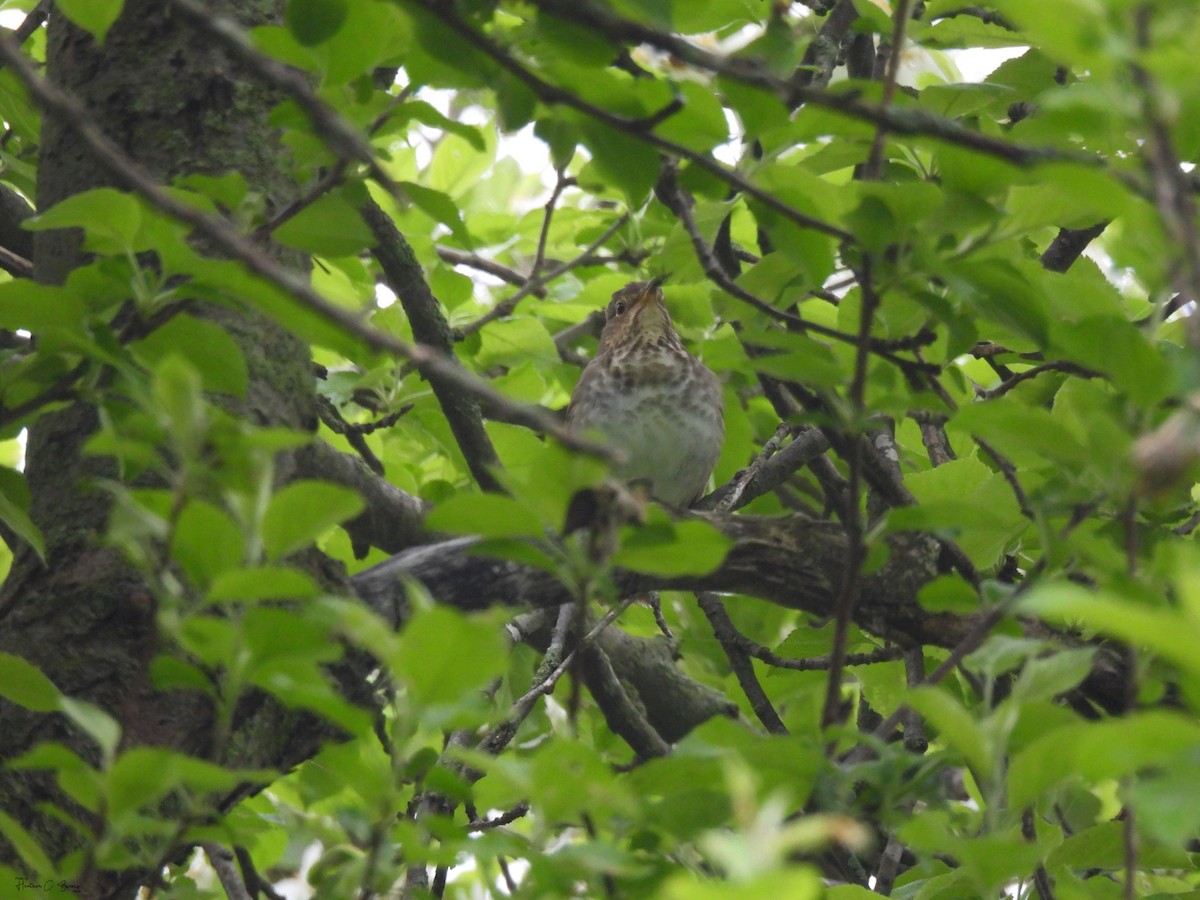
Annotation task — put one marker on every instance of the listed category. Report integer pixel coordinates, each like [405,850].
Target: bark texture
[177,105]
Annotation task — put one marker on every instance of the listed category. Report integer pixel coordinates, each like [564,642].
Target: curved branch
[794,562]
[429,327]
[392,520]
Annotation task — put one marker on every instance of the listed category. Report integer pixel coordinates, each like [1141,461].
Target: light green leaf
[331,226]
[26,845]
[207,542]
[663,547]
[1095,751]
[957,728]
[516,340]
[14,510]
[440,207]
[949,594]
[39,308]
[261,583]
[445,657]
[429,115]
[1166,632]
[100,726]
[965,499]
[109,218]
[206,345]
[302,512]
[24,683]
[489,515]
[1049,676]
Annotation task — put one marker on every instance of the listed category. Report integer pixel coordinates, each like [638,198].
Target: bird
[651,399]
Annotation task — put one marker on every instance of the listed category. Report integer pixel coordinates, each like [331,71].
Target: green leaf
[663,547]
[512,341]
[206,345]
[14,510]
[488,515]
[27,847]
[179,402]
[957,728]
[964,499]
[948,594]
[313,21]
[805,361]
[109,218]
[303,511]
[446,657]
[143,775]
[1166,632]
[1026,435]
[700,124]
[429,115]
[1118,348]
[75,775]
[440,207]
[1057,673]
[1104,846]
[1095,751]
[40,308]
[169,673]
[207,542]
[618,160]
[261,583]
[24,683]
[96,16]
[331,226]
[100,726]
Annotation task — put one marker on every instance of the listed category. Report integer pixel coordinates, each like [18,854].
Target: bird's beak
[652,290]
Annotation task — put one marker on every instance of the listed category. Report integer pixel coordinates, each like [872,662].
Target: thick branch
[392,519]
[429,326]
[794,562]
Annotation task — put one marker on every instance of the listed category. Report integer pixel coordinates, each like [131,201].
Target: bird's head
[637,315]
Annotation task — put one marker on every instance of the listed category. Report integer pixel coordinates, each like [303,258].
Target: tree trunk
[178,105]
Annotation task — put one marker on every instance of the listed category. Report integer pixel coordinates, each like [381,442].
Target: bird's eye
[619,308]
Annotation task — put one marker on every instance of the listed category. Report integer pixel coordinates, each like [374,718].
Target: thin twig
[769,470]
[457,257]
[506,306]
[499,736]
[506,818]
[561,182]
[682,206]
[222,861]
[430,328]
[899,27]
[856,550]
[1017,378]
[739,661]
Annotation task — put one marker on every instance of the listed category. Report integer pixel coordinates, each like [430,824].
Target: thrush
[651,398]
